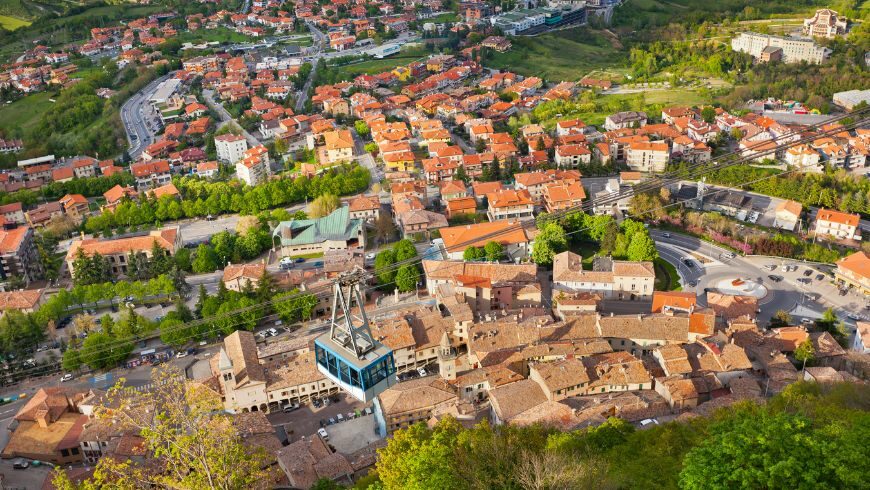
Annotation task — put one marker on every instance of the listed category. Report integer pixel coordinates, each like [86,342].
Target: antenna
[351,332]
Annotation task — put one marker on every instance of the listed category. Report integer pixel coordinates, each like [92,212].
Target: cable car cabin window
[344,375]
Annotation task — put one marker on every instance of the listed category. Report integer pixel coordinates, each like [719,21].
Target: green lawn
[315,255]
[587,250]
[221,34]
[667,278]
[373,67]
[675,96]
[20,116]
[564,55]
[12,23]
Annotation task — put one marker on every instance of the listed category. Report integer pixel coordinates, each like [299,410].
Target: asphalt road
[225,116]
[711,267]
[135,113]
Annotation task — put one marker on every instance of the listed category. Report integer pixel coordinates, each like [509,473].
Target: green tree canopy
[549,242]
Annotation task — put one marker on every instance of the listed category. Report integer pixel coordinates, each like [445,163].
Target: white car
[322,433]
[66,377]
[370,256]
[422,372]
[180,354]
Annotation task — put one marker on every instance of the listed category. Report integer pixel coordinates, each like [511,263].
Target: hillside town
[332,255]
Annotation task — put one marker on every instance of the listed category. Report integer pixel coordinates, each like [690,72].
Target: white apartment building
[230,147]
[794,50]
[837,224]
[647,156]
[254,168]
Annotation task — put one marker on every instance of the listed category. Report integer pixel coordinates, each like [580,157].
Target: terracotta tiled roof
[244,271]
[26,299]
[512,399]
[415,395]
[858,263]
[164,238]
[673,299]
[11,240]
[458,238]
[838,217]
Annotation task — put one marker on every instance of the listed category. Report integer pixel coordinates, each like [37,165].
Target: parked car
[666,235]
[180,354]
[370,256]
[806,321]
[808,272]
[852,316]
[322,433]
[66,377]
[774,278]
[339,418]
[316,402]
[20,463]
[290,407]
[422,372]
[770,267]
[820,277]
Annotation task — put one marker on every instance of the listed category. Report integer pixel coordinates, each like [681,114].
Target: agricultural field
[12,23]
[19,117]
[563,55]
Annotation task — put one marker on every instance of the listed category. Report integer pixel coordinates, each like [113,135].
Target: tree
[419,458]
[553,470]
[205,260]
[494,251]
[805,352]
[708,114]
[71,360]
[361,128]
[323,205]
[404,250]
[385,229]
[407,277]
[384,269]
[194,443]
[780,319]
[472,254]
[752,448]
[461,175]
[642,248]
[548,243]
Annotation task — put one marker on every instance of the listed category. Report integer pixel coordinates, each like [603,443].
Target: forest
[809,436]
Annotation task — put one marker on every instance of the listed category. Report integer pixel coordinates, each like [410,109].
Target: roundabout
[739,286]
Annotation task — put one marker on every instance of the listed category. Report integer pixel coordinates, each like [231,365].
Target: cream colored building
[409,402]
[337,147]
[794,50]
[646,156]
[246,384]
[510,204]
[854,271]
[622,280]
[117,251]
[837,224]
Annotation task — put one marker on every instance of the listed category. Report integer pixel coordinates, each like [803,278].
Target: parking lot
[31,478]
[307,419]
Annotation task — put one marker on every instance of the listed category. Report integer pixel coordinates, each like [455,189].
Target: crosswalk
[148,387]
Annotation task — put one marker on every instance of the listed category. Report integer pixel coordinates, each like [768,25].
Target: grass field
[20,116]
[667,278]
[221,34]
[373,67]
[12,23]
[564,55]
[672,97]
